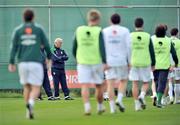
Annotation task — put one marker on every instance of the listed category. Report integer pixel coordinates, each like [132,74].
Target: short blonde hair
[93,15]
[58,40]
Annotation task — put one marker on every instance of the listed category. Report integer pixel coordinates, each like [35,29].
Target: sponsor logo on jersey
[28,30]
[28,42]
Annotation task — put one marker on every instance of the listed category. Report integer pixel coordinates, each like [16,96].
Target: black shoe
[100,112]
[29,112]
[40,98]
[143,105]
[106,99]
[121,107]
[154,101]
[68,98]
[51,98]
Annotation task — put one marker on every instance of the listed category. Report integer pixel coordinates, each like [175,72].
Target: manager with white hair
[59,56]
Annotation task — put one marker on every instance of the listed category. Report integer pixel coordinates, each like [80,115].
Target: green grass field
[12,112]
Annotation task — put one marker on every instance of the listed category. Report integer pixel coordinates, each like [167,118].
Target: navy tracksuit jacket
[58,71]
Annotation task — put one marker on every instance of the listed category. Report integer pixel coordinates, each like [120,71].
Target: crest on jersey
[160,43]
[28,30]
[114,32]
[88,33]
[139,38]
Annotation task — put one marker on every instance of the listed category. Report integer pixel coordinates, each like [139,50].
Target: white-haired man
[59,56]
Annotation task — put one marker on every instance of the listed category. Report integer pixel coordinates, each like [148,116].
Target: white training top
[118,45]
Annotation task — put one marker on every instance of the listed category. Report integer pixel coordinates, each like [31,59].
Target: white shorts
[171,74]
[90,74]
[31,73]
[140,74]
[117,73]
[177,73]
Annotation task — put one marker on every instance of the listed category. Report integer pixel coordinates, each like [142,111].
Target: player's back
[116,39]
[29,37]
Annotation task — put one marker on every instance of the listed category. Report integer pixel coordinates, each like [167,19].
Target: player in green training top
[27,40]
[176,43]
[89,51]
[163,49]
[142,49]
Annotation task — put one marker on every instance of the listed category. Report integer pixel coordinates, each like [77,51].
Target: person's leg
[141,97]
[156,77]
[85,98]
[177,86]
[170,92]
[110,89]
[153,88]
[35,90]
[99,98]
[121,91]
[163,74]
[26,92]
[33,94]
[144,89]
[105,91]
[165,95]
[40,96]
[46,85]
[56,80]
[177,92]
[64,85]
[135,92]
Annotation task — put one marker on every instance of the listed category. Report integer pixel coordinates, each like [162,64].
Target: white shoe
[171,100]
[164,101]
[87,112]
[105,96]
[102,110]
[138,106]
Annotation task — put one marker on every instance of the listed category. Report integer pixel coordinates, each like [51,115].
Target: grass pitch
[12,112]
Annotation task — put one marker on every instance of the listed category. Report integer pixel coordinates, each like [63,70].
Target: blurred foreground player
[27,40]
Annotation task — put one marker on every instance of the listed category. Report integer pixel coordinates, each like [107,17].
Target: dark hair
[28,15]
[174,32]
[160,31]
[166,27]
[138,22]
[115,18]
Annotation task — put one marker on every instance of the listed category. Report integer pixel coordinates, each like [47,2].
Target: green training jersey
[176,44]
[162,47]
[88,45]
[27,40]
[140,49]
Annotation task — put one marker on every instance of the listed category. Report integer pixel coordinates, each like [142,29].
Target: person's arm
[55,58]
[102,48]
[14,47]
[128,45]
[174,55]
[152,54]
[74,48]
[65,56]
[45,43]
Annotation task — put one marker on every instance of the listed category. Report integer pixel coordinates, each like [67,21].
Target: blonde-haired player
[89,51]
